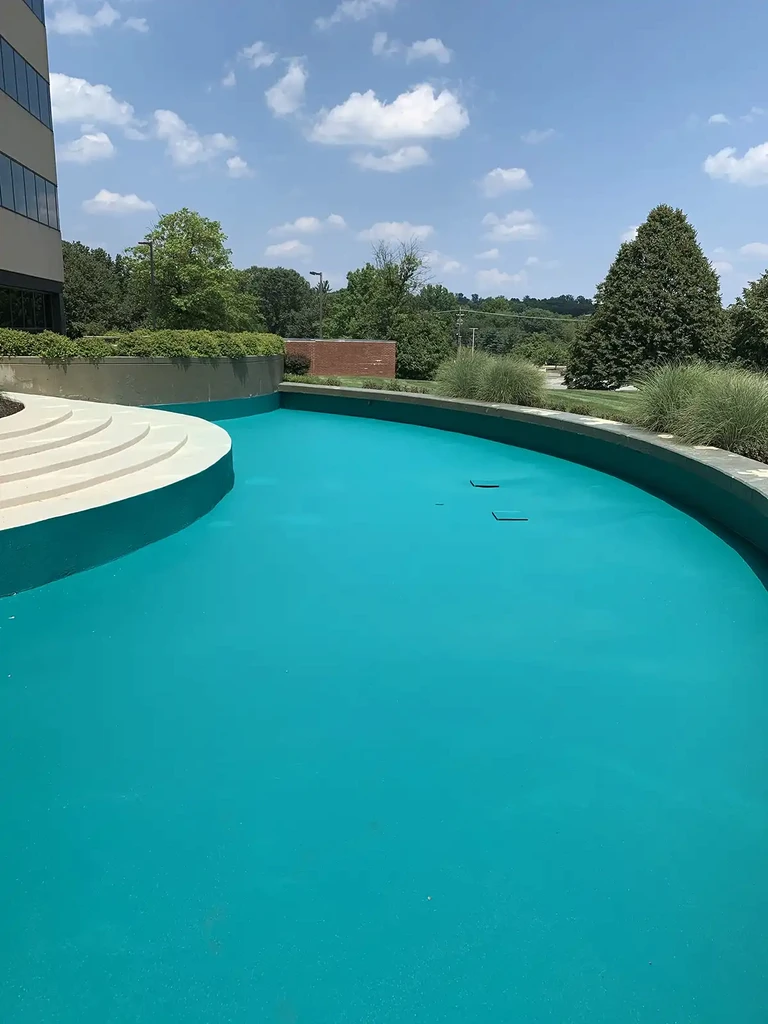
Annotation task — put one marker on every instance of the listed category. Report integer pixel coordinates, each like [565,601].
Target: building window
[37,8]
[25,192]
[25,310]
[22,83]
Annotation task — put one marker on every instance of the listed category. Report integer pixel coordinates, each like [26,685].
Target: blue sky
[520,139]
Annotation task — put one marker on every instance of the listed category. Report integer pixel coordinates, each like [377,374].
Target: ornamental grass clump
[512,381]
[728,409]
[461,376]
[665,392]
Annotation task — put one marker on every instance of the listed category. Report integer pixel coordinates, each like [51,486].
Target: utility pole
[318,273]
[151,246]
[459,325]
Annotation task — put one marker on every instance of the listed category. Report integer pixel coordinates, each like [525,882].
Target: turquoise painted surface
[349,751]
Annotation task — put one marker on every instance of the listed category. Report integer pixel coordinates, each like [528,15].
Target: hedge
[160,344]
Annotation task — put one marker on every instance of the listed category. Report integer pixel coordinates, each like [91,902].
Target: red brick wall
[347,358]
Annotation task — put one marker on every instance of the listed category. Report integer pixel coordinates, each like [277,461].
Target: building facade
[31,267]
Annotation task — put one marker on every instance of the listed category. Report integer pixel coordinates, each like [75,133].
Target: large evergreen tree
[748,321]
[659,303]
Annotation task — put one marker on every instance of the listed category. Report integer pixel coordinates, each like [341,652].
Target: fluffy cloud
[115,204]
[722,266]
[498,279]
[238,168]
[434,49]
[383,46]
[363,119]
[70,22]
[309,225]
[396,231]
[442,264]
[536,135]
[354,10]
[517,226]
[87,149]
[501,180]
[258,55]
[286,96]
[184,145]
[74,99]
[136,24]
[229,80]
[293,247]
[392,163]
[750,169]
[719,119]
[630,234]
[754,250]
[489,254]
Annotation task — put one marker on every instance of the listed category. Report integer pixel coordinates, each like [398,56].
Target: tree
[288,304]
[748,322]
[659,303]
[423,342]
[96,292]
[196,287]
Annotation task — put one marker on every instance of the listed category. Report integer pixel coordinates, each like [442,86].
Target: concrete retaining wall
[345,358]
[725,490]
[128,380]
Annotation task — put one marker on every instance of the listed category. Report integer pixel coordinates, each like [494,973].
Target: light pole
[151,246]
[318,273]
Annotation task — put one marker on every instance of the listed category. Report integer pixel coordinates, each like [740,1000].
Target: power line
[462,311]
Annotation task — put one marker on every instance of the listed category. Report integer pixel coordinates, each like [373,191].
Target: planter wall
[122,380]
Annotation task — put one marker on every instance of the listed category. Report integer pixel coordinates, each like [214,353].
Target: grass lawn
[608,404]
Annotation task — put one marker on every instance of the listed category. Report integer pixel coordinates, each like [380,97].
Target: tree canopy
[748,323]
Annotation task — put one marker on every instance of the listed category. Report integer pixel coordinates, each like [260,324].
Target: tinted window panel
[29,184]
[34,101]
[45,101]
[37,301]
[20,202]
[5,307]
[37,7]
[48,307]
[6,183]
[21,81]
[28,306]
[53,210]
[42,199]
[9,70]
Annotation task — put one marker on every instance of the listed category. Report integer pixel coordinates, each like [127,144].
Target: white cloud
[238,168]
[114,203]
[753,113]
[184,145]
[229,80]
[383,46]
[293,247]
[392,163]
[719,119]
[286,96]
[70,22]
[489,254]
[354,10]
[630,234]
[417,114]
[258,55]
[754,250]
[536,135]
[442,264]
[74,99]
[396,231]
[501,180]
[517,226]
[722,266]
[87,149]
[750,169]
[137,24]
[309,225]
[534,261]
[499,279]
[429,49]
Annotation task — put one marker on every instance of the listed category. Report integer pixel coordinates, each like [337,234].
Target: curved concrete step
[31,420]
[121,434]
[77,427]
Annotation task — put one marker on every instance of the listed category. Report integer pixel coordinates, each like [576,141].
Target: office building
[31,268]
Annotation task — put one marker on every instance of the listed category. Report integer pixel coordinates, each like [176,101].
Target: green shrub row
[159,344]
[722,406]
[507,380]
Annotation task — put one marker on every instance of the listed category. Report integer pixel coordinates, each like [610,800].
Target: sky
[519,140]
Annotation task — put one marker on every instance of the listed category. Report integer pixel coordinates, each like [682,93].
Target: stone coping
[724,487]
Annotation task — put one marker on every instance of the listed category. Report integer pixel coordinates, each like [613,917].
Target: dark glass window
[29,185]
[28,306]
[28,310]
[21,80]
[20,202]
[6,182]
[17,309]
[34,99]
[9,70]
[39,310]
[48,307]
[45,101]
[5,307]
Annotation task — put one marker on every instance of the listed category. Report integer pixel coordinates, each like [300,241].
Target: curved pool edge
[726,489]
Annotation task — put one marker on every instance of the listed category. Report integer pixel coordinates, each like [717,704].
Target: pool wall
[724,488]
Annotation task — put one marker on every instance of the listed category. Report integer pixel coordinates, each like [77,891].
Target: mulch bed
[8,407]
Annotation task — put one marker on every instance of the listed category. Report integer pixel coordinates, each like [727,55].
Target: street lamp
[318,273]
[151,246]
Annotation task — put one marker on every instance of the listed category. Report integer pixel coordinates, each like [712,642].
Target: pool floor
[351,751]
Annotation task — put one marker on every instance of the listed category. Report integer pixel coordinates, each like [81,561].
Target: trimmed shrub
[512,381]
[297,363]
[728,409]
[392,385]
[332,382]
[300,378]
[373,384]
[665,392]
[460,377]
[159,344]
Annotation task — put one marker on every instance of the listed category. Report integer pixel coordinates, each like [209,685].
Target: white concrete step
[33,420]
[77,427]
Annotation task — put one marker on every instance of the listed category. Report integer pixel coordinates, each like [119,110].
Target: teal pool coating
[347,750]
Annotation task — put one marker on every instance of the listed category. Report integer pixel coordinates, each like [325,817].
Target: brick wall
[347,358]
